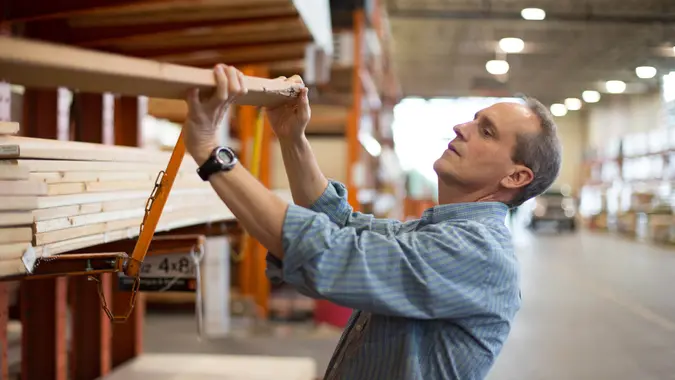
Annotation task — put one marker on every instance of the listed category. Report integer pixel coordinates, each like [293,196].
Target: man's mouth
[452,148]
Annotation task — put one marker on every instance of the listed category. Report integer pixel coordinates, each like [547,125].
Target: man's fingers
[193,99]
[304,95]
[233,82]
[296,79]
[222,84]
[242,83]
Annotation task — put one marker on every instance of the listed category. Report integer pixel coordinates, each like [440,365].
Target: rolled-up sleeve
[333,202]
[422,274]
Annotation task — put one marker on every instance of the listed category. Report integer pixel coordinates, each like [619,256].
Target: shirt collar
[466,211]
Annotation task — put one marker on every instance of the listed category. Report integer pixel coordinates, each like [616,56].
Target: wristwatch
[222,159]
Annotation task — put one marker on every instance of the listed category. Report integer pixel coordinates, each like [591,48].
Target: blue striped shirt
[433,298]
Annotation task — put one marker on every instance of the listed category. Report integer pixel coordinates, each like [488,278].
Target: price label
[171,266]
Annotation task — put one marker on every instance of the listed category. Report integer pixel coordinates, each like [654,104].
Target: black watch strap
[222,159]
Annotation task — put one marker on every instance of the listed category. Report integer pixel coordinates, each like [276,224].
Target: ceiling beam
[660,18]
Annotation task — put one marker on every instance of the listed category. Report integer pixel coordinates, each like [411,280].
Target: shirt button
[359,327]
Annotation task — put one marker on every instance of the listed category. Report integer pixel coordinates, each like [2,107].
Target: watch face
[224,156]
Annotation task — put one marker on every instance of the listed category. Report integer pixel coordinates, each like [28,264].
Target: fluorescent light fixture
[590,96]
[615,86]
[533,14]
[497,67]
[645,72]
[558,110]
[511,45]
[573,104]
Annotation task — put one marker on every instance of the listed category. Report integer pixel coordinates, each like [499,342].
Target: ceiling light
[615,86]
[497,67]
[558,110]
[645,72]
[590,96]
[533,14]
[573,104]
[511,45]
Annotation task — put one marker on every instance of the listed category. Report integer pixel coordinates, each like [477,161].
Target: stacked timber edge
[60,196]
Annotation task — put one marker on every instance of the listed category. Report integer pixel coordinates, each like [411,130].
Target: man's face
[479,158]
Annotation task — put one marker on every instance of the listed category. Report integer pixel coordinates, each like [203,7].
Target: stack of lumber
[59,196]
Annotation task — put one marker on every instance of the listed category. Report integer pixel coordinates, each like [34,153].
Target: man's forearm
[304,175]
[260,211]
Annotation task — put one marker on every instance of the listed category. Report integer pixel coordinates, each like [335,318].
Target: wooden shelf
[186,32]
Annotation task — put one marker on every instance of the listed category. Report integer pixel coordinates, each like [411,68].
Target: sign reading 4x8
[171,272]
[168,266]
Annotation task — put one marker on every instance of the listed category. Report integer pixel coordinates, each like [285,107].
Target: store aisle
[596,307]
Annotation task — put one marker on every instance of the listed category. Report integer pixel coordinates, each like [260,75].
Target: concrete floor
[596,307]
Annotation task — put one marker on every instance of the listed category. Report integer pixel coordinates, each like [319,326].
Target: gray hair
[541,152]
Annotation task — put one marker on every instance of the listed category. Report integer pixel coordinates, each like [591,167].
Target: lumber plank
[9,128]
[41,64]
[16,235]
[65,211]
[69,177]
[13,172]
[22,188]
[59,202]
[122,214]
[131,232]
[12,251]
[17,218]
[47,165]
[18,203]
[14,267]
[29,147]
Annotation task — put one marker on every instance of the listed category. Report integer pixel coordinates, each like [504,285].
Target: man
[434,297]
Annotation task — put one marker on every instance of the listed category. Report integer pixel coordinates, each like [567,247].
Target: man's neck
[455,194]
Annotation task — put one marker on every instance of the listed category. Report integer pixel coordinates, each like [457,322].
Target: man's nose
[460,131]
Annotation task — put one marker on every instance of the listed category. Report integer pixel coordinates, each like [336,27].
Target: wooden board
[23,188]
[10,251]
[47,165]
[13,172]
[39,64]
[9,128]
[28,147]
[208,367]
[15,235]
[18,218]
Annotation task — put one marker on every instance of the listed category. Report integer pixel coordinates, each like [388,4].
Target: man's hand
[290,119]
[205,115]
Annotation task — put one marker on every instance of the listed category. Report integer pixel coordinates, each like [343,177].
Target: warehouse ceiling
[441,46]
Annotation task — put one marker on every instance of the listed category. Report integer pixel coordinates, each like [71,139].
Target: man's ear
[520,177]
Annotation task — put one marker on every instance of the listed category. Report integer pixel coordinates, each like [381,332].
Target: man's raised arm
[302,169]
[289,122]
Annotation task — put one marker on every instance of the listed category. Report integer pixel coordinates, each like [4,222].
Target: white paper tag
[29,259]
[9,150]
